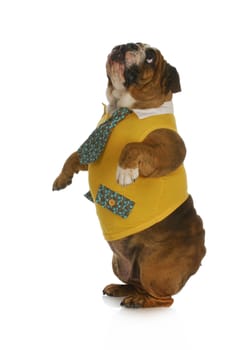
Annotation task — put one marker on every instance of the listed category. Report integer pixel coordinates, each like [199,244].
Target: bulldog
[138,182]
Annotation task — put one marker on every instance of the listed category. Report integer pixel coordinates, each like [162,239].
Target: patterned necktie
[92,148]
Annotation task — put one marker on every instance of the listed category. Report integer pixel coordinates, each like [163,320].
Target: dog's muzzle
[119,52]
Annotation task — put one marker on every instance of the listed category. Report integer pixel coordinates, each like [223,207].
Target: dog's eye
[150,56]
[149,60]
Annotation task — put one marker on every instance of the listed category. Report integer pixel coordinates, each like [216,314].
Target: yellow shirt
[126,210]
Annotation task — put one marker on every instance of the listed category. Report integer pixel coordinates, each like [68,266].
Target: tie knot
[119,114]
[121,111]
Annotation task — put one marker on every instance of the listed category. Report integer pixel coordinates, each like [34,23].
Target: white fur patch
[126,176]
[126,100]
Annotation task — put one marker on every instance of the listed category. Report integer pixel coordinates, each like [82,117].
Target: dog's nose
[118,52]
[131,47]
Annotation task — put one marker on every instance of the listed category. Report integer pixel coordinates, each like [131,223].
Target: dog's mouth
[123,64]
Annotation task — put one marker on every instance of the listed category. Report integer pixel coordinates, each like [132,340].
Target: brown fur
[161,152]
[156,263]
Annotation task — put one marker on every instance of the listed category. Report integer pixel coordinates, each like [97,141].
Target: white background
[54,261]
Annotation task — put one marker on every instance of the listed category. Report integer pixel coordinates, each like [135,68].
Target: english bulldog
[138,181]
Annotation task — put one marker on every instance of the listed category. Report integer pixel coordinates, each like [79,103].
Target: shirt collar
[165,108]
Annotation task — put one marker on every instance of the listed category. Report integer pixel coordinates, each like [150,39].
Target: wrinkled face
[139,77]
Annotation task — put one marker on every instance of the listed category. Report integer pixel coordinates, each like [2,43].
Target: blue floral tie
[92,148]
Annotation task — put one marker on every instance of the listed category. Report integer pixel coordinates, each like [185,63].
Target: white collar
[165,108]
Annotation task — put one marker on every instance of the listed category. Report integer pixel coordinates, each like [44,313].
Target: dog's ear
[171,79]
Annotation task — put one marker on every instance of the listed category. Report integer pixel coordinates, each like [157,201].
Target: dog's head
[139,77]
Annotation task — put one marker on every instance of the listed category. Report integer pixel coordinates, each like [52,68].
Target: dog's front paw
[61,182]
[126,176]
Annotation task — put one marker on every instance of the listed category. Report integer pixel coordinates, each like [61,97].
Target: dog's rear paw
[126,176]
[133,302]
[141,300]
[118,290]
